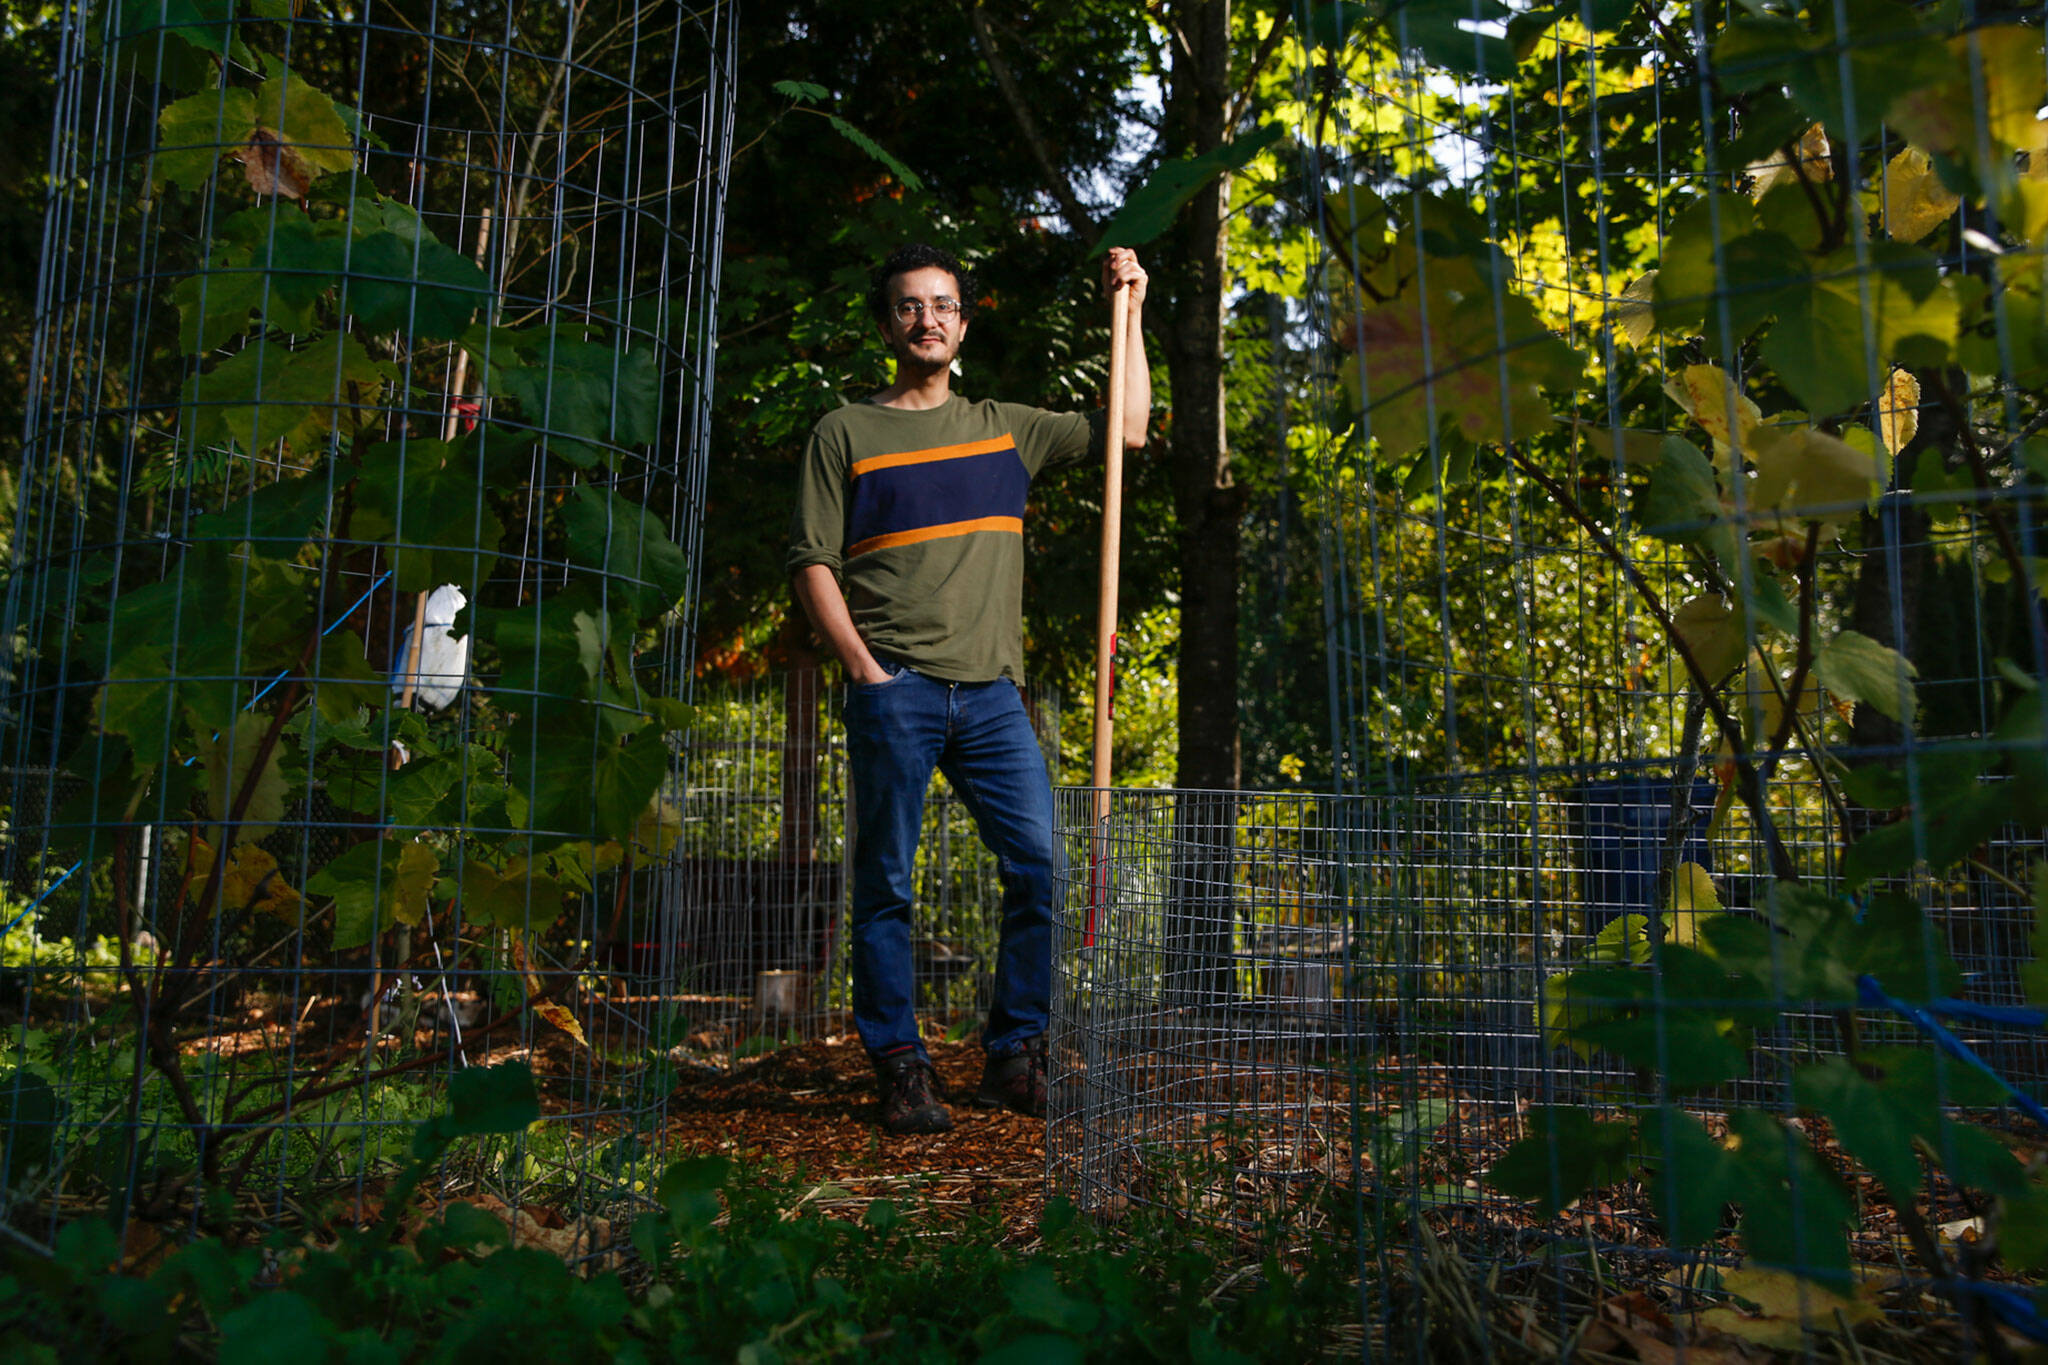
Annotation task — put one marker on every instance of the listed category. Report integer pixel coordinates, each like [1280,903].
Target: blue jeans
[978,735]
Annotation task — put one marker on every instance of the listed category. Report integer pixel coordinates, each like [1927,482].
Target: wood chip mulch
[812,1114]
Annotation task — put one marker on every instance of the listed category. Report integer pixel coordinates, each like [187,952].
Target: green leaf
[629,545]
[420,287]
[1150,209]
[874,149]
[1817,345]
[1875,787]
[297,112]
[206,25]
[514,897]
[481,1100]
[421,498]
[230,760]
[1565,1153]
[1432,27]
[803,92]
[1795,1215]
[1682,503]
[584,397]
[112,789]
[2023,1231]
[276,1325]
[1687,285]
[285,512]
[272,261]
[578,783]
[375,884]
[467,1228]
[30,1116]
[1458,358]
[426,791]
[1713,634]
[268,392]
[138,701]
[1857,668]
[1769,605]
[1037,1348]
[342,678]
[1886,48]
[1693,1177]
[1330,24]
[551,651]
[194,131]
[1975,1157]
[1034,1295]
[1897,946]
[1877,1127]
[1808,473]
[1624,939]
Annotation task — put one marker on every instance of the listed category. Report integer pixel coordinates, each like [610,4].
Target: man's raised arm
[1122,271]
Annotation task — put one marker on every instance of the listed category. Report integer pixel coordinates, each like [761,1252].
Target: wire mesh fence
[1327,1015]
[350,598]
[763,894]
[1674,414]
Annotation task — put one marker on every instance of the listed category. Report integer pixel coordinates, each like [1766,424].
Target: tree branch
[1241,100]
[1078,218]
[1748,785]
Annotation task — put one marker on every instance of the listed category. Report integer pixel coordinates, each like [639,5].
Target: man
[915,500]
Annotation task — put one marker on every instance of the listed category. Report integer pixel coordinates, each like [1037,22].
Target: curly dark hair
[916,256]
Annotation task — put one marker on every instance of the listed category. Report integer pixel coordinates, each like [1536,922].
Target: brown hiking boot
[1015,1081]
[909,1102]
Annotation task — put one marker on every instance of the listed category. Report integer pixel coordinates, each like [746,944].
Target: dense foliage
[724,1266]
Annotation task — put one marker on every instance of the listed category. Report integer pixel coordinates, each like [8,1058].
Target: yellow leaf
[559,1016]
[1693,901]
[1712,632]
[661,824]
[1801,471]
[1630,314]
[2026,208]
[1786,1307]
[1946,118]
[2015,82]
[1898,412]
[1915,200]
[527,975]
[1810,155]
[1710,398]
[418,866]
[1692,889]
[251,880]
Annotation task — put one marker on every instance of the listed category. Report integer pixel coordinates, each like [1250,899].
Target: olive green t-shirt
[921,514]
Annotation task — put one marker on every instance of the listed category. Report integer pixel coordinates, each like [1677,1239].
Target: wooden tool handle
[1120,321]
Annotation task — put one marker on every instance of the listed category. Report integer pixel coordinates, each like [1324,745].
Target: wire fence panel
[1673,407]
[350,598]
[761,908]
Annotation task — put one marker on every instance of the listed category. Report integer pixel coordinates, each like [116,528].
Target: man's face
[919,335]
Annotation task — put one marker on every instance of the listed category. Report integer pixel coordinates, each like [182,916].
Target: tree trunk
[1207,503]
[1208,507]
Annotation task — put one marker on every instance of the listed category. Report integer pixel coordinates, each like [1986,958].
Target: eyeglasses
[908,310]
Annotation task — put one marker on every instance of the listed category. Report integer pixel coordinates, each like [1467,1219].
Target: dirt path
[811,1113]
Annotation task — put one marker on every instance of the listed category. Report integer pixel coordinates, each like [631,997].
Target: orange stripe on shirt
[959,452]
[1013,525]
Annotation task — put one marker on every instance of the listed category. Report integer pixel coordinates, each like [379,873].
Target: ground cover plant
[723,1264]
